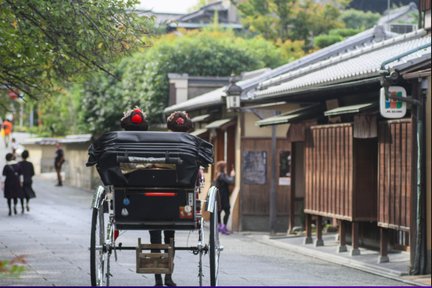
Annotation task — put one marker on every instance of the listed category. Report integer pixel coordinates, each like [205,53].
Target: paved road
[54,237]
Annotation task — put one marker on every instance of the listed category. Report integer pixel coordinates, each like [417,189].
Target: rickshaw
[151,181]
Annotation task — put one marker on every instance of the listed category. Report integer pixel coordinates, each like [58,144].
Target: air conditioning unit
[401,28]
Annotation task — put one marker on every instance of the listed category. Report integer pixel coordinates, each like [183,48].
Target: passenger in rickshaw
[134,120]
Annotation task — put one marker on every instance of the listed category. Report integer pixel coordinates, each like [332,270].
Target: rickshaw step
[154,263]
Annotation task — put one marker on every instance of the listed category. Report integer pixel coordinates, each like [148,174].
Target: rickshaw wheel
[99,258]
[214,248]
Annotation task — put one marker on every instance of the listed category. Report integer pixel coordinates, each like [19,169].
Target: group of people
[17,182]
[179,121]
[17,176]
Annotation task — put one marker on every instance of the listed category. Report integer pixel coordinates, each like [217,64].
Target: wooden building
[395,178]
[359,166]
[341,177]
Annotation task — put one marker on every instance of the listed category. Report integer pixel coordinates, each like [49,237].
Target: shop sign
[394,106]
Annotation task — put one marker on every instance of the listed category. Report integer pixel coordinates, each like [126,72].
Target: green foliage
[322,41]
[102,103]
[281,20]
[344,32]
[292,50]
[12,268]
[57,113]
[46,42]
[144,76]
[357,19]
[334,36]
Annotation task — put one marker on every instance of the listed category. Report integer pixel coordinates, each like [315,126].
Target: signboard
[393,108]
[254,167]
[285,168]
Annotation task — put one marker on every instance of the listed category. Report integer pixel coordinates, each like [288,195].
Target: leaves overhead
[42,42]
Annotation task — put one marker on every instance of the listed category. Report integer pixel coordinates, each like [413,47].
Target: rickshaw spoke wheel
[98,250]
[214,249]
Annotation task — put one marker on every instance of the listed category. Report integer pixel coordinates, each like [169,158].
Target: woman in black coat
[27,171]
[12,186]
[222,181]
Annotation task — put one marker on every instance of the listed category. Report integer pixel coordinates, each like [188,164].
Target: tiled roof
[216,6]
[397,13]
[359,64]
[208,99]
[215,97]
[365,38]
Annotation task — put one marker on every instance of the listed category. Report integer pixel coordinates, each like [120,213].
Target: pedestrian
[14,146]
[6,131]
[222,181]
[27,171]
[12,185]
[58,163]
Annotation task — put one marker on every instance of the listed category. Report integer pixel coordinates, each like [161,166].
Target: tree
[281,20]
[334,36]
[357,19]
[43,43]
[144,76]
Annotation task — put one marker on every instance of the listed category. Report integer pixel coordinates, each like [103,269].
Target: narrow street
[54,238]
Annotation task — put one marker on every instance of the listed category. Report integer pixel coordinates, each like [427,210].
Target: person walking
[11,184]
[27,171]
[58,163]
[6,132]
[222,181]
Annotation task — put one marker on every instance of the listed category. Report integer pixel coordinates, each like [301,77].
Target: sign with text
[254,167]
[391,107]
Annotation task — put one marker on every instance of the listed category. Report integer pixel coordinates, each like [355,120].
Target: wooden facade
[341,174]
[395,174]
[255,188]
[425,5]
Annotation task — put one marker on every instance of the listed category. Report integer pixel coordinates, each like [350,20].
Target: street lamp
[233,93]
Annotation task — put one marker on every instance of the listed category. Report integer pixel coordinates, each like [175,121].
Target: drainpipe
[273,193]
[419,262]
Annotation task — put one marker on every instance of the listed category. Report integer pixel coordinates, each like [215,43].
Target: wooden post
[342,237]
[319,227]
[292,190]
[355,239]
[273,192]
[308,239]
[383,256]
